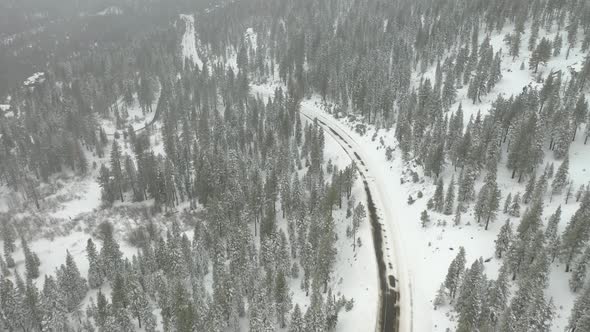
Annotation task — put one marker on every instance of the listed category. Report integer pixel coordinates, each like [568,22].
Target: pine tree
[32,305]
[449,91]
[12,313]
[358,216]
[440,298]
[580,271]
[470,300]
[515,41]
[540,313]
[105,182]
[438,198]
[455,272]
[297,322]
[139,305]
[583,324]
[575,233]
[4,268]
[541,54]
[529,190]
[560,179]
[32,262]
[55,313]
[282,298]
[116,169]
[552,239]
[497,297]
[110,256]
[71,283]
[466,190]
[488,200]
[557,44]
[103,310]
[514,210]
[507,203]
[495,72]
[580,310]
[315,316]
[504,239]
[95,277]
[8,237]
[450,198]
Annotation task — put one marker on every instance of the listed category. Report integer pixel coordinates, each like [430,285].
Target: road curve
[394,294]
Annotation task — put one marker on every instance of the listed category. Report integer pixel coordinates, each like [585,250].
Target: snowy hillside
[189,45]
[303,166]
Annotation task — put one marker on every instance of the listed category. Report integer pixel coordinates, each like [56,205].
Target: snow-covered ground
[189,42]
[88,200]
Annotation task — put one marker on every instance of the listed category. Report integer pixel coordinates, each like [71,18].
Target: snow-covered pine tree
[282,298]
[579,273]
[580,310]
[504,239]
[297,323]
[507,203]
[441,297]
[470,299]
[71,283]
[455,273]
[95,274]
[514,210]
[552,239]
[529,190]
[359,214]
[53,302]
[32,262]
[575,233]
[497,297]
[450,198]
[438,197]
[561,177]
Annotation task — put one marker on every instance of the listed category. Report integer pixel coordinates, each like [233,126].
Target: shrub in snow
[389,153]
[430,204]
[360,128]
[424,218]
[349,305]
[295,271]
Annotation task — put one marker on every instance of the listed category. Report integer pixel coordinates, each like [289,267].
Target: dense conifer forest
[220,207]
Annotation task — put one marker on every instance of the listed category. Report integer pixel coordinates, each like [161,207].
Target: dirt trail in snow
[395,307]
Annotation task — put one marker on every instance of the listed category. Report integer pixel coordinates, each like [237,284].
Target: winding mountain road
[395,300]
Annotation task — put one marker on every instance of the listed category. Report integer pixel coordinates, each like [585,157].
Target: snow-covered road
[395,307]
